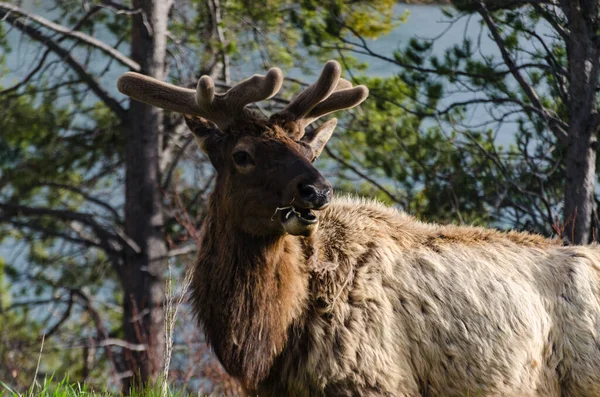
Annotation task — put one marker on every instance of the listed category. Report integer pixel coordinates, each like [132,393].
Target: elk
[303,294]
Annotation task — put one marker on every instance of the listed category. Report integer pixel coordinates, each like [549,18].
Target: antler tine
[329,94]
[343,84]
[344,97]
[314,94]
[339,100]
[254,89]
[205,92]
[221,109]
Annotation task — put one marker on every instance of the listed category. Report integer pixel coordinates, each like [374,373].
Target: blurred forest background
[480,112]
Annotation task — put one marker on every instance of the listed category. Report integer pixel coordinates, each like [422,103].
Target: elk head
[266,183]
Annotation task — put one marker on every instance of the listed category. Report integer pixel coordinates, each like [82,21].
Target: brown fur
[246,292]
[378,303]
[373,302]
[370,301]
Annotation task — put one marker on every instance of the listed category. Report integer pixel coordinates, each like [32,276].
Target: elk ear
[207,135]
[319,137]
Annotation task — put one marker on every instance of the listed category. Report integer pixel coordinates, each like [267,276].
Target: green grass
[64,388]
[51,388]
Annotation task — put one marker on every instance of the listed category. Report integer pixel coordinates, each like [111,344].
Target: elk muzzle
[298,218]
[314,196]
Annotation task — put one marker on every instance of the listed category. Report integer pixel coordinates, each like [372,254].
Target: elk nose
[314,196]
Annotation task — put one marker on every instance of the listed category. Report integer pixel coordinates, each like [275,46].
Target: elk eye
[242,158]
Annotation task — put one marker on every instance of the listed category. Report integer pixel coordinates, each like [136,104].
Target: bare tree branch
[64,54]
[128,240]
[34,302]
[46,231]
[14,88]
[118,8]
[554,67]
[560,133]
[85,195]
[179,135]
[63,318]
[29,75]
[65,215]
[175,152]
[7,11]
[138,347]
[111,243]
[526,107]
[556,25]
[471,6]
[363,175]
[190,249]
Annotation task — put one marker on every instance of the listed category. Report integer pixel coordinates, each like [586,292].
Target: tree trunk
[579,187]
[583,70]
[143,319]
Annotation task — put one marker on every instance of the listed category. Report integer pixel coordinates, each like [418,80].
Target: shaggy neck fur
[247,291]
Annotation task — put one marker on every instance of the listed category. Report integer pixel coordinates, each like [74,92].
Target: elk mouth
[298,221]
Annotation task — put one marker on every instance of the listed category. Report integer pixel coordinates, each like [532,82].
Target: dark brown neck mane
[246,292]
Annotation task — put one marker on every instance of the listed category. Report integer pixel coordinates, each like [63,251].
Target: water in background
[422,21]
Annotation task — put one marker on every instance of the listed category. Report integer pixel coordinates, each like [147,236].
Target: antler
[329,94]
[222,109]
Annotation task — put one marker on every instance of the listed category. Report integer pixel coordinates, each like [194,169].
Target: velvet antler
[222,109]
[328,94]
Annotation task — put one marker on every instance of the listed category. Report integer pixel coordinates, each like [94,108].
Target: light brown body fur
[300,295]
[377,303]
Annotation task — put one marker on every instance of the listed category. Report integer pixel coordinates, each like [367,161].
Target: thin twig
[363,175]
[68,58]
[557,129]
